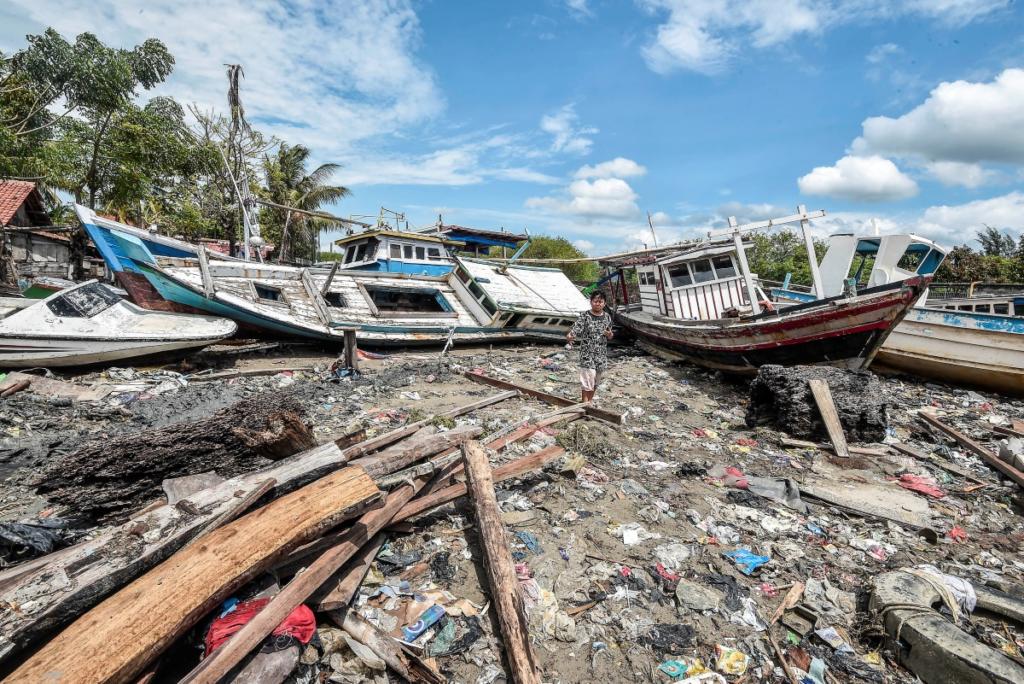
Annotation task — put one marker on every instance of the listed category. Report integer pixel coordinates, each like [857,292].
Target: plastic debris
[747,561]
[731,661]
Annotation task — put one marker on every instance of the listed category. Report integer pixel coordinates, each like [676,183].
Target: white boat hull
[56,353]
[958,347]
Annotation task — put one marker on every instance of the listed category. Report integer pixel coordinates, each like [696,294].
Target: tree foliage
[776,253]
[546,247]
[1000,260]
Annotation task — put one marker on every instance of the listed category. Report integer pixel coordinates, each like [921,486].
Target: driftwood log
[111,476]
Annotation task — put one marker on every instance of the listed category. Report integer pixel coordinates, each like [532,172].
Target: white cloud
[705,35]
[579,8]
[959,222]
[880,53]
[583,245]
[660,218]
[861,179]
[748,213]
[959,173]
[620,167]
[569,136]
[960,121]
[604,197]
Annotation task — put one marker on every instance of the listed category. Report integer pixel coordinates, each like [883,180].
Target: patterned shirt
[588,332]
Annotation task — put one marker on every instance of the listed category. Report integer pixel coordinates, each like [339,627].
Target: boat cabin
[704,283]
[396,252]
[879,260]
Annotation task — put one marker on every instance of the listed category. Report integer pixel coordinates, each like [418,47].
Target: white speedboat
[91,324]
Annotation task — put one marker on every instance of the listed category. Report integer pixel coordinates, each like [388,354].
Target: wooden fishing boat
[703,304]
[976,341]
[90,324]
[473,302]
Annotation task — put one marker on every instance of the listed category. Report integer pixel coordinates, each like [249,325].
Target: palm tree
[290,185]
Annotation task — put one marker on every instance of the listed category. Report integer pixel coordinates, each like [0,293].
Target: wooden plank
[400,659]
[424,443]
[504,472]
[225,658]
[118,638]
[501,574]
[1009,432]
[939,463]
[592,411]
[804,444]
[963,440]
[827,407]
[238,508]
[344,586]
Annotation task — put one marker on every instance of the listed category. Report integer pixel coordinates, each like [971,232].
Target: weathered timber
[64,584]
[237,439]
[118,638]
[225,658]
[237,508]
[939,463]
[963,440]
[516,468]
[829,415]
[592,411]
[501,574]
[805,444]
[341,588]
[426,442]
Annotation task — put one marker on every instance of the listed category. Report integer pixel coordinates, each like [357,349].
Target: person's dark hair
[597,293]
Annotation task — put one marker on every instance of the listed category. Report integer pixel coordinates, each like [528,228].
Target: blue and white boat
[969,341]
[472,301]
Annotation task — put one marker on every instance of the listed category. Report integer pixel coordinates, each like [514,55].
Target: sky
[576,118]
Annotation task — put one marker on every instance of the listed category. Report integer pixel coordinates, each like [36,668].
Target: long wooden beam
[592,411]
[965,441]
[501,575]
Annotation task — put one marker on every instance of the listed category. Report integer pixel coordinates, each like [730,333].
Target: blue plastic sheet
[746,560]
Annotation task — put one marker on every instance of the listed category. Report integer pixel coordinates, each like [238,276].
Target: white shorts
[589,379]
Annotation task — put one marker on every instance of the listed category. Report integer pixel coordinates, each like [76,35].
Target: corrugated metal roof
[541,289]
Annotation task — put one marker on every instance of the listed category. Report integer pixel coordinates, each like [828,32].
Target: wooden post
[351,350]
[501,573]
[827,407]
[748,280]
[204,272]
[330,278]
[812,256]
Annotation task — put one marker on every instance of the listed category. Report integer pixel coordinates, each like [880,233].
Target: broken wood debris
[823,398]
[977,449]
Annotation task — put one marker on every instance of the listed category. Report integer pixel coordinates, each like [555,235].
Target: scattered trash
[747,561]
[731,661]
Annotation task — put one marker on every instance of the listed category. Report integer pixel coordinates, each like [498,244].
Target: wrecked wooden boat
[474,302]
[90,324]
[965,340]
[703,304]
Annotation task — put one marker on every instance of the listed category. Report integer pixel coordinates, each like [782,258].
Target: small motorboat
[91,324]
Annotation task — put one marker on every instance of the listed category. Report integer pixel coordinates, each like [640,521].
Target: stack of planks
[107,609]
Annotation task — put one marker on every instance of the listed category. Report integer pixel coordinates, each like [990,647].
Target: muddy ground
[620,552]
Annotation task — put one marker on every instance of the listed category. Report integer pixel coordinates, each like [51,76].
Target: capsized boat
[977,341]
[703,304]
[90,324]
[474,301]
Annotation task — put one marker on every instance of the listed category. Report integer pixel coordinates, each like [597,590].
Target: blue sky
[576,117]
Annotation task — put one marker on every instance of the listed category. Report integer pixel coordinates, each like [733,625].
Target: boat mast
[736,231]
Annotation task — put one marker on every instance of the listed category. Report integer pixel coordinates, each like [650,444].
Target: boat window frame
[711,270]
[448,311]
[671,278]
[102,299]
[732,265]
[1004,305]
[392,248]
[283,301]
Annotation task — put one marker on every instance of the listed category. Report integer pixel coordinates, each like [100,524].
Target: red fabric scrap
[625,571]
[746,441]
[300,623]
[922,485]
[734,477]
[665,573]
[958,534]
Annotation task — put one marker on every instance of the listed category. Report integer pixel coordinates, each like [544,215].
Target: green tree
[547,247]
[776,253]
[995,242]
[290,184]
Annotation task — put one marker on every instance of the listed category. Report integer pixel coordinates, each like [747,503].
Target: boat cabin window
[724,267]
[983,308]
[268,293]
[335,300]
[434,253]
[84,302]
[680,276]
[421,253]
[646,278]
[1001,309]
[914,257]
[360,252]
[407,251]
[702,271]
[396,251]
[407,300]
[540,321]
[965,307]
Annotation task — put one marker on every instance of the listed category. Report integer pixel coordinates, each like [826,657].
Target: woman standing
[592,330]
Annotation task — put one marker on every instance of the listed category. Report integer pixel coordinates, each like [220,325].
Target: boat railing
[709,300]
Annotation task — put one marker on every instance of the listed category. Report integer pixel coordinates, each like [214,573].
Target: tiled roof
[13,194]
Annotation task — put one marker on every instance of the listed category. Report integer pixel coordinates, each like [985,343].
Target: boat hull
[52,352]
[844,332]
[975,349]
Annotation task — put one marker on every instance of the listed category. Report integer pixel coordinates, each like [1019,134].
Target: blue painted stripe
[969,320]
